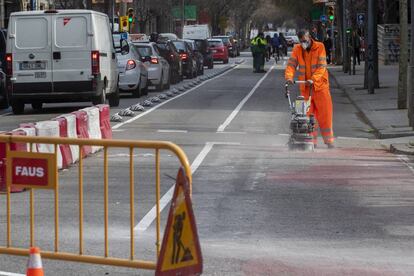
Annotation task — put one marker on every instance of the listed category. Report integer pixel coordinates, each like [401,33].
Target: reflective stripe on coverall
[311,65]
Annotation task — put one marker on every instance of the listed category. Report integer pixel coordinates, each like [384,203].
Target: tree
[403,61]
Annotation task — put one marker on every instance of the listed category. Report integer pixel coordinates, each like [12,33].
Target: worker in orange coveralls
[309,59]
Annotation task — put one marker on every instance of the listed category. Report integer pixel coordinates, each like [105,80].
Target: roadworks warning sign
[180,251]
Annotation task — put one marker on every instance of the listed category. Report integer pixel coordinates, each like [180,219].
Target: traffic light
[130,16]
[331,13]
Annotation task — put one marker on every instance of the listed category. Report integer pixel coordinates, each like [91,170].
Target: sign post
[31,170]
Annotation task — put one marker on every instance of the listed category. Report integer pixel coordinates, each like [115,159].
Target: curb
[396,148]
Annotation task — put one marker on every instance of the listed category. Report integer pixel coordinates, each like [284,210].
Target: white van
[196,32]
[60,56]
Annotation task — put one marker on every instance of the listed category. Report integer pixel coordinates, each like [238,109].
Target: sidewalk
[379,109]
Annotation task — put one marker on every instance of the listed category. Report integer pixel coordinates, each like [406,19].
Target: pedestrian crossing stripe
[180,251]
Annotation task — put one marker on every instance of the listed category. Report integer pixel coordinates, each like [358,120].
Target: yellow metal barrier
[132,262]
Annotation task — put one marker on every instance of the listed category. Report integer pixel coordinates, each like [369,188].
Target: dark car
[168,51]
[187,57]
[198,56]
[4,103]
[227,40]
[203,48]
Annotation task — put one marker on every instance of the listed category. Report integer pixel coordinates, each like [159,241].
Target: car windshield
[215,43]
[180,45]
[144,51]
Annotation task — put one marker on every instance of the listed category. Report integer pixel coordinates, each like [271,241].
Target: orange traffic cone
[34,266]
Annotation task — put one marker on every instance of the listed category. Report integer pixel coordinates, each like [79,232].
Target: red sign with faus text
[30,170]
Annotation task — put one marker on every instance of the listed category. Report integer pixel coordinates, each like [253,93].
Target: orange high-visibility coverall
[312,66]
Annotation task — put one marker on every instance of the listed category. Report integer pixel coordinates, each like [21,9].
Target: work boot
[330,146]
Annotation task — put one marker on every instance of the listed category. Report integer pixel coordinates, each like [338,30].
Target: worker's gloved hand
[310,82]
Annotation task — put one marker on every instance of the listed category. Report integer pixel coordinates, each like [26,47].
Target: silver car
[158,67]
[133,72]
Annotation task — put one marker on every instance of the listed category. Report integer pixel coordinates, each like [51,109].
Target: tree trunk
[403,62]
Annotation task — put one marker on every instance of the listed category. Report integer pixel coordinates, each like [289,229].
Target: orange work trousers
[321,108]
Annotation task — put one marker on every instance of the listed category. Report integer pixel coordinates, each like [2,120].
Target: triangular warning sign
[180,250]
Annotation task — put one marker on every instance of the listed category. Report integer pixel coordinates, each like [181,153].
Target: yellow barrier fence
[131,146]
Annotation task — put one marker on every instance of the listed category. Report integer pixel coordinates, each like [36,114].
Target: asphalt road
[260,209]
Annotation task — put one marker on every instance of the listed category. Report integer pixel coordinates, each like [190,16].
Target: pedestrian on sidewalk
[328,46]
[258,48]
[310,58]
[356,44]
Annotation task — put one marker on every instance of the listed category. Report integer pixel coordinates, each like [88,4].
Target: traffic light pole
[182,17]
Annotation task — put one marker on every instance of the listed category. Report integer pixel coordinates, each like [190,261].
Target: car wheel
[113,98]
[167,86]
[160,86]
[211,65]
[37,106]
[4,103]
[17,108]
[137,92]
[100,99]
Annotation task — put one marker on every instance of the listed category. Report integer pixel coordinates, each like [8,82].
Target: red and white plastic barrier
[82,129]
[65,150]
[94,129]
[71,133]
[105,121]
[3,155]
[92,122]
[49,129]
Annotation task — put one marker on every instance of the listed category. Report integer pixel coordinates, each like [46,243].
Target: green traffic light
[130,19]
[331,17]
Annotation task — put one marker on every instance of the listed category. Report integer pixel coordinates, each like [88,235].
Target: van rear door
[32,54]
[71,49]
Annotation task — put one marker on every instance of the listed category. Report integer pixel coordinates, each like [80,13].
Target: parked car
[158,67]
[53,57]
[228,43]
[133,72]
[202,46]
[219,50]
[168,51]
[187,57]
[4,102]
[198,56]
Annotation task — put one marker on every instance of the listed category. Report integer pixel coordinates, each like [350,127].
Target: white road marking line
[404,159]
[4,273]
[167,101]
[166,198]
[118,130]
[6,114]
[172,131]
[229,119]
[284,63]
[231,132]
[353,138]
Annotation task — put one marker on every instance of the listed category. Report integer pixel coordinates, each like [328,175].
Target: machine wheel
[160,86]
